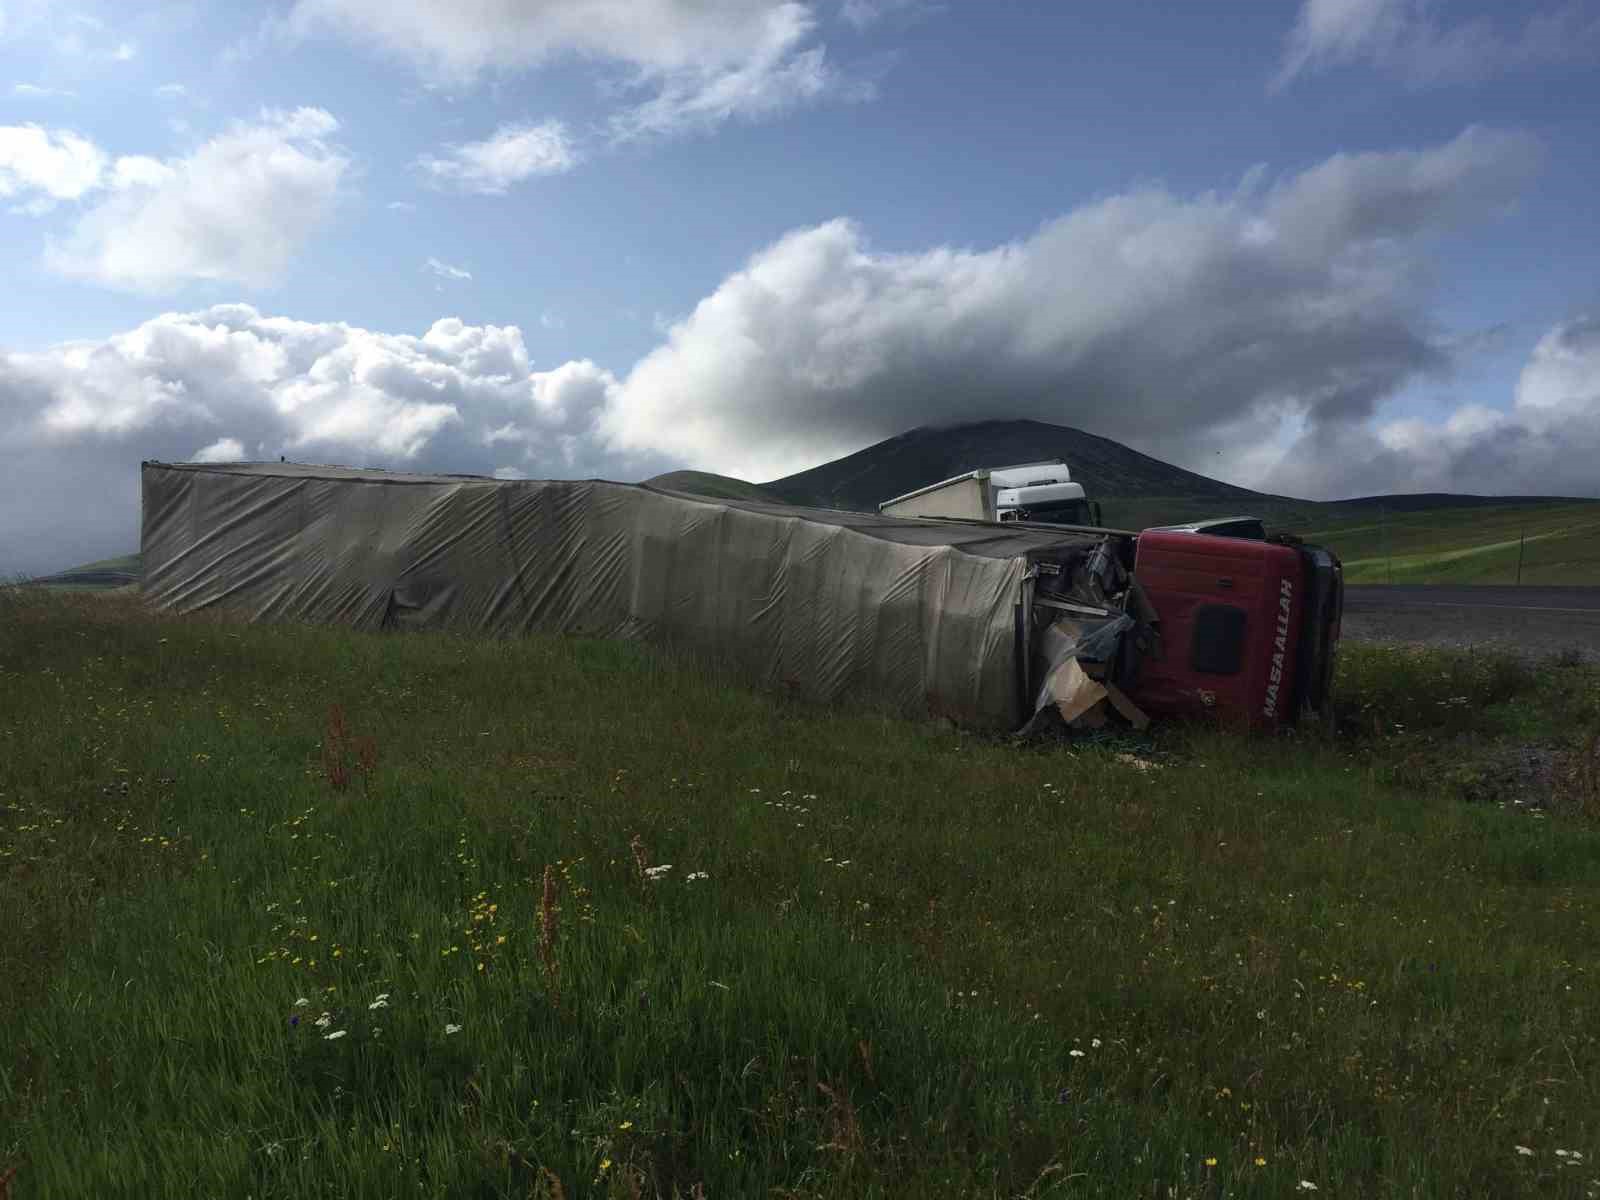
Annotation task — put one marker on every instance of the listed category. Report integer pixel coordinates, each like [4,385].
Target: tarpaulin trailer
[977,621]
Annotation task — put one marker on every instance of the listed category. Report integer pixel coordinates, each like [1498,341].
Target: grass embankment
[440,952]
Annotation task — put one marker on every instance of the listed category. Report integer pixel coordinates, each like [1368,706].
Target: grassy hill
[1107,469]
[716,487]
[104,575]
[299,912]
[1557,542]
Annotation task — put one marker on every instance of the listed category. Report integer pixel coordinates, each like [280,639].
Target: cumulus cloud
[220,451]
[1144,316]
[1283,312]
[43,166]
[236,209]
[510,155]
[704,60]
[1404,38]
[1546,443]
[229,382]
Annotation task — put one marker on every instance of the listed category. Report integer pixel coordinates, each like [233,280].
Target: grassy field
[1558,543]
[294,912]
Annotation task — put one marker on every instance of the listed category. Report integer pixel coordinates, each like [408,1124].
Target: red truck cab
[1245,629]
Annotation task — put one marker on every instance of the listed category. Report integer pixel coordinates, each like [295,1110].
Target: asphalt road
[1533,620]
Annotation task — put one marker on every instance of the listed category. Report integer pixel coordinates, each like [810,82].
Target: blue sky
[1325,248]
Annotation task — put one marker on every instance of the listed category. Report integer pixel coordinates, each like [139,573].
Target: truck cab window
[1218,647]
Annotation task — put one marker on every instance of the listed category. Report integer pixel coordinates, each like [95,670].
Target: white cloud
[703,60]
[458,42]
[46,166]
[172,91]
[220,451]
[1271,323]
[1562,378]
[776,75]
[1143,316]
[401,206]
[512,154]
[1546,443]
[36,92]
[1352,198]
[445,271]
[76,419]
[1404,38]
[237,209]
[138,170]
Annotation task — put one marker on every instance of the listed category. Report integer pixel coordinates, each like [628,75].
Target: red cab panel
[1230,616]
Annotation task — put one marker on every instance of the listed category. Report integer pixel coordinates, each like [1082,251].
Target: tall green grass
[887,959]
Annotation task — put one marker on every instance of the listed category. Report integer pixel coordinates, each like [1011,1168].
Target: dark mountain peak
[929,453]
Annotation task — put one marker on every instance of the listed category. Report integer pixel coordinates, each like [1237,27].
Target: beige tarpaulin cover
[830,603]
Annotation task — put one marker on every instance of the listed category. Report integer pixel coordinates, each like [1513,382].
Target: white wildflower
[449,1029]
[1076,1053]
[323,1021]
[302,1002]
[1094,1043]
[335,1035]
[1524,1151]
[693,875]
[1305,1185]
[657,873]
[380,1002]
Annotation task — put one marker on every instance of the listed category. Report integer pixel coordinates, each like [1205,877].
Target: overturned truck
[996,626]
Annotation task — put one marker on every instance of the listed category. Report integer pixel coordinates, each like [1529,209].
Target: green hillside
[104,575]
[716,487]
[863,480]
[1558,542]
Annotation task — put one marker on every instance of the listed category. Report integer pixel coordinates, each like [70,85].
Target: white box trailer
[1041,492]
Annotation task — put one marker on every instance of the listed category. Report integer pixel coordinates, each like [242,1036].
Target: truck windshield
[1054,512]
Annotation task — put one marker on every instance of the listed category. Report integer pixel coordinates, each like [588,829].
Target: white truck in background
[1040,491]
